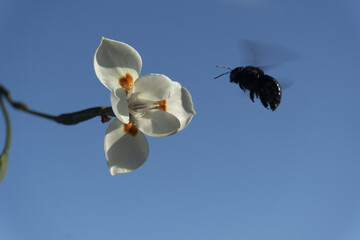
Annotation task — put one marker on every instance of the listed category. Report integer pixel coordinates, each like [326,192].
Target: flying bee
[258,83]
[253,78]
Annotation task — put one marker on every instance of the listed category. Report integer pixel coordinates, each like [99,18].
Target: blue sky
[238,171]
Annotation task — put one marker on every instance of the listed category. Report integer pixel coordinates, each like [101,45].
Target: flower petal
[158,123]
[119,104]
[180,105]
[124,152]
[113,60]
[153,87]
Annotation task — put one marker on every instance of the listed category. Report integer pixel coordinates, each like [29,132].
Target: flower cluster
[151,104]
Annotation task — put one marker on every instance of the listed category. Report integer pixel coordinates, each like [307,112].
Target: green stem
[4,158]
[66,118]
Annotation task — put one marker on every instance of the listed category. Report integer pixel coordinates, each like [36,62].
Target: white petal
[180,105]
[113,60]
[124,152]
[119,104]
[153,87]
[158,123]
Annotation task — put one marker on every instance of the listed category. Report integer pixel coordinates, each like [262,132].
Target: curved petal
[153,87]
[113,60]
[124,152]
[119,104]
[181,105]
[158,123]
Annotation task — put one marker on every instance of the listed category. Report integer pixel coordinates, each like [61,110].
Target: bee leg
[241,86]
[252,95]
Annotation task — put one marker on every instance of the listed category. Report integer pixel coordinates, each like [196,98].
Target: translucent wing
[264,54]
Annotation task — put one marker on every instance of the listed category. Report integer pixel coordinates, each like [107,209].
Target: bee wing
[264,55]
[247,53]
[285,84]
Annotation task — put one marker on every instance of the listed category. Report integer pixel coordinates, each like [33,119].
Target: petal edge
[113,59]
[124,152]
[181,105]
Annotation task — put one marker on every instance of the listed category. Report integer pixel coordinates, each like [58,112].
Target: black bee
[253,78]
[258,83]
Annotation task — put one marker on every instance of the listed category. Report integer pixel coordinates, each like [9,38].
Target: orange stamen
[131,129]
[162,105]
[126,82]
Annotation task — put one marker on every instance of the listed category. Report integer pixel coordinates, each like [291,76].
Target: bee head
[234,73]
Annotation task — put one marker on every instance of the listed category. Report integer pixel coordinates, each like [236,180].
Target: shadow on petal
[124,152]
[187,101]
[112,54]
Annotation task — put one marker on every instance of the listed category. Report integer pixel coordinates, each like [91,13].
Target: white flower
[150,104]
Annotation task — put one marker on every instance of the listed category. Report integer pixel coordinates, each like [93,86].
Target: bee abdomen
[270,92]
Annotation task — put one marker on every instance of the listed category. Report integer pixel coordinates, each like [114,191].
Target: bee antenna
[223,73]
[224,67]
